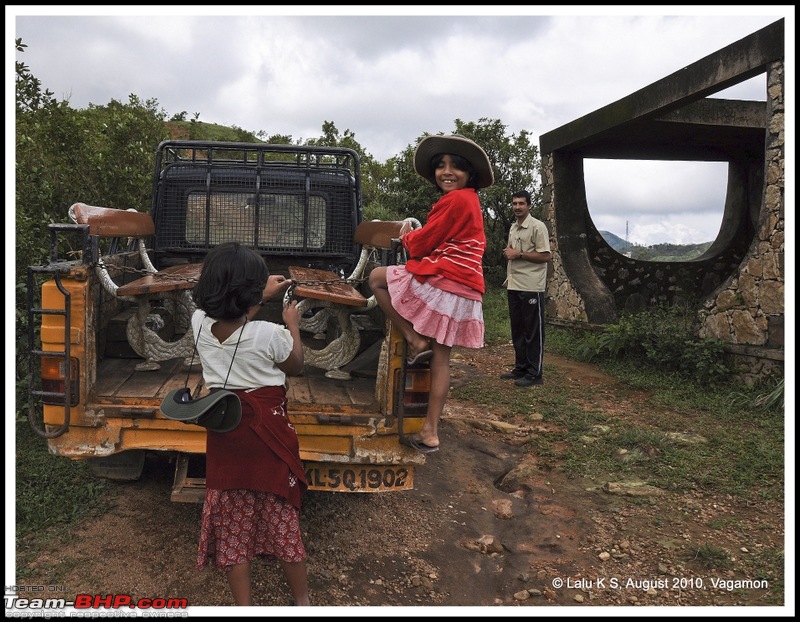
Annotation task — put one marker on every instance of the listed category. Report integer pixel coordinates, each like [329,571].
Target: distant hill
[615,242]
[656,252]
[190,130]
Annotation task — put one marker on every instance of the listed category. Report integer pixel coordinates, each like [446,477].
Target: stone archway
[737,285]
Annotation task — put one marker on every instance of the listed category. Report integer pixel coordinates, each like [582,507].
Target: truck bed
[118,381]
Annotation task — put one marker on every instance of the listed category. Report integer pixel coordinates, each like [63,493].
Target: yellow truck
[109,317]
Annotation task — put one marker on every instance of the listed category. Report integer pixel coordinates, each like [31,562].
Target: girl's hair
[232,280]
[460,162]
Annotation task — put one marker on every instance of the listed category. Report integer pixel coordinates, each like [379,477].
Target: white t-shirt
[262,345]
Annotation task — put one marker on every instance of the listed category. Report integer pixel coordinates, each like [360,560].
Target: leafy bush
[663,337]
[495,315]
[773,399]
[765,397]
[494,276]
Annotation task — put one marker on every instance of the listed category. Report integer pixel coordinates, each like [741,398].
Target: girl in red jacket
[436,298]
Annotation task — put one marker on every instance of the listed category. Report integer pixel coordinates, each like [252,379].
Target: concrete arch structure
[737,285]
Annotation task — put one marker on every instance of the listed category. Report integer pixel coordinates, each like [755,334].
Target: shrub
[664,337]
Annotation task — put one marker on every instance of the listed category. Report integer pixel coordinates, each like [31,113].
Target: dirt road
[485,526]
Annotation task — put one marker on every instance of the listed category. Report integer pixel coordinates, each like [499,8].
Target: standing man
[527,252]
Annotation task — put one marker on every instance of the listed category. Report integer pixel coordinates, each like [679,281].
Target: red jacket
[452,241]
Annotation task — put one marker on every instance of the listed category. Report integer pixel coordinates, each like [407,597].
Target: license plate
[361,478]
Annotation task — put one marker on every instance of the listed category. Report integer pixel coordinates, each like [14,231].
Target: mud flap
[124,466]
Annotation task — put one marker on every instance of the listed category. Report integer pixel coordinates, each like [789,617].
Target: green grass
[495,316]
[52,493]
[50,490]
[710,557]
[728,446]
[679,438]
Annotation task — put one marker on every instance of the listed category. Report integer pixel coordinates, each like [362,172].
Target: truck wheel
[124,466]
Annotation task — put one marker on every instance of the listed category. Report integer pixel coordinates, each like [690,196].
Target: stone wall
[748,309]
[562,299]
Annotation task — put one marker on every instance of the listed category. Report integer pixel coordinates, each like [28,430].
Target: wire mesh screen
[294,206]
[267,221]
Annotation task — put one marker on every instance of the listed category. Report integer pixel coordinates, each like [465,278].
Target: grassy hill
[199,130]
[656,252]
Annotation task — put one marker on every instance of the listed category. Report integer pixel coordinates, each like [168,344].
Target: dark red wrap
[262,453]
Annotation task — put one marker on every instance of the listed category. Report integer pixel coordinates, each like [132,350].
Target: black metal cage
[286,201]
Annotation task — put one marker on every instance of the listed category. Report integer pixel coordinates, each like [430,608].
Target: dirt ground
[485,526]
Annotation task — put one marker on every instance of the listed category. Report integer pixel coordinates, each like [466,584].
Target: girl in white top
[254,476]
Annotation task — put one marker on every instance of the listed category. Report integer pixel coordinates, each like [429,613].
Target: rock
[523,475]
[502,508]
[490,544]
[686,438]
[632,489]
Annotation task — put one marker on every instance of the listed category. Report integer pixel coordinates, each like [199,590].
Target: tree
[29,95]
[103,155]
[516,164]
[372,172]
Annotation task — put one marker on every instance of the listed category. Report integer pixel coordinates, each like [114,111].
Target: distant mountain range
[656,252]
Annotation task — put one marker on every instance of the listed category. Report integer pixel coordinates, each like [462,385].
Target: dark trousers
[526,311]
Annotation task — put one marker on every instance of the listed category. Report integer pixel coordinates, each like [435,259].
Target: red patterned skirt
[239,525]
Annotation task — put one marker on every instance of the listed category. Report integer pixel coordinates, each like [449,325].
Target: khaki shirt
[522,275]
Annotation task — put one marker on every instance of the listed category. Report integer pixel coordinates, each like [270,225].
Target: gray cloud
[390,78]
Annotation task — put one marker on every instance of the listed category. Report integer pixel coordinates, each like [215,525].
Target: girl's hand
[408,225]
[291,316]
[294,364]
[275,284]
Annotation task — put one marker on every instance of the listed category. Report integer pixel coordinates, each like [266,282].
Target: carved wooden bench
[337,299]
[172,283]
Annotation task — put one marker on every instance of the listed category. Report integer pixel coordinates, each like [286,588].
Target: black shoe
[511,375]
[527,381]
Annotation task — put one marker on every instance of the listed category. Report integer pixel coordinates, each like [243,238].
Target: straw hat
[453,144]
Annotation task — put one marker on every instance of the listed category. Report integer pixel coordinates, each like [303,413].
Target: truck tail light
[54,380]
[417,388]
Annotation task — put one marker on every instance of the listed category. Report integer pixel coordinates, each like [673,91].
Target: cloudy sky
[390,74]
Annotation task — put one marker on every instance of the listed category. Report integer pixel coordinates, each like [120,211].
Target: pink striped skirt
[448,318]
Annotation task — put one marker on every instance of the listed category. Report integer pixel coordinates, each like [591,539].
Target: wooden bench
[172,283]
[325,285]
[173,278]
[336,299]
